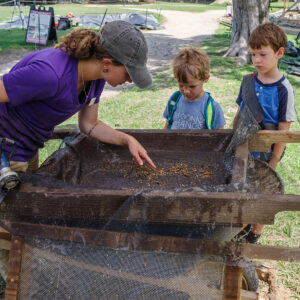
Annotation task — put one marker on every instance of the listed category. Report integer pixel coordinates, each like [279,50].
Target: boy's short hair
[193,62]
[268,34]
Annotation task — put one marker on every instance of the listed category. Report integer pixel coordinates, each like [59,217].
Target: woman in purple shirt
[49,86]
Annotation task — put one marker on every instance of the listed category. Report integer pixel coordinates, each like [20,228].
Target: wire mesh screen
[89,188]
[66,270]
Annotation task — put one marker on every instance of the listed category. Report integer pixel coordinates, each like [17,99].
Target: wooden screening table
[234,208]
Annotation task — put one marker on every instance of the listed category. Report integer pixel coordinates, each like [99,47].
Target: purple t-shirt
[42,92]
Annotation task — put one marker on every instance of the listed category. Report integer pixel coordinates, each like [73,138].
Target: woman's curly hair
[83,44]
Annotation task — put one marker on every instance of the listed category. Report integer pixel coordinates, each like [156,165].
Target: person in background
[274,94]
[191,107]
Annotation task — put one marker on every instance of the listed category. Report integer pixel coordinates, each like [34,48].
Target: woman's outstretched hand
[139,153]
[89,124]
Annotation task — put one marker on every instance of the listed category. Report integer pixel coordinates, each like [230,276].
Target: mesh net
[64,270]
[83,161]
[246,128]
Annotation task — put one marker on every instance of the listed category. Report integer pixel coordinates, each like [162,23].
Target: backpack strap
[250,99]
[209,109]
[209,112]
[172,104]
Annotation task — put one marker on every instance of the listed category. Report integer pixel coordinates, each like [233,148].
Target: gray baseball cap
[127,44]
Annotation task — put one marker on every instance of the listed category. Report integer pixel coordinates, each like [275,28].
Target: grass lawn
[275,6]
[15,38]
[142,109]
[86,9]
[76,9]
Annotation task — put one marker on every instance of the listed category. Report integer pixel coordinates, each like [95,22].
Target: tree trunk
[247,15]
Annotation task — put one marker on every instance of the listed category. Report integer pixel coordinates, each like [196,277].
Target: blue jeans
[265,156]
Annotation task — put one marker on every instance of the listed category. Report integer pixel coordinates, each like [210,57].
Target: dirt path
[181,30]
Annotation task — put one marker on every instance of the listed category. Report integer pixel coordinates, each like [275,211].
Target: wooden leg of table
[232,283]
[33,164]
[14,268]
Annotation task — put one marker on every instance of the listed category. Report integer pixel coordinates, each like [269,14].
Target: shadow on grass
[223,67]
[162,79]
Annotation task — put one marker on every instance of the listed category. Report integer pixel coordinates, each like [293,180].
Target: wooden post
[232,283]
[263,139]
[14,268]
[5,238]
[284,5]
[240,164]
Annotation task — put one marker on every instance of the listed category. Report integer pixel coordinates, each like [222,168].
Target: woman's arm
[3,94]
[89,124]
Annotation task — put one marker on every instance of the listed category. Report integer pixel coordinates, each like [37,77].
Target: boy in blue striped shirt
[273,91]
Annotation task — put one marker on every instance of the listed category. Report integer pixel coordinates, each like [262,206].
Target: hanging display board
[41,26]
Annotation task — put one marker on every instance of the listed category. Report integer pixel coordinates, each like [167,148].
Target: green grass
[275,6]
[14,39]
[86,9]
[64,9]
[190,7]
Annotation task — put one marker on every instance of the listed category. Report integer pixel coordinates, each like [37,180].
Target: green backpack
[209,109]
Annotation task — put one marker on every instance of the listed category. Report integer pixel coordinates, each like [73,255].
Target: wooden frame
[220,208]
[232,283]
[14,269]
[148,242]
[232,207]
[261,141]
